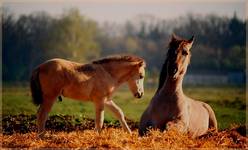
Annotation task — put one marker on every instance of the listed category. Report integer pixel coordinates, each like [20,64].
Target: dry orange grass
[114,138]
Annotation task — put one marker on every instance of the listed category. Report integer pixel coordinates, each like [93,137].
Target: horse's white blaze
[140,85]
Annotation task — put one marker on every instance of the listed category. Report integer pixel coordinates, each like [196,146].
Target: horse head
[178,56]
[136,81]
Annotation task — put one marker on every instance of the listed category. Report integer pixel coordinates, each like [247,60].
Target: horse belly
[77,92]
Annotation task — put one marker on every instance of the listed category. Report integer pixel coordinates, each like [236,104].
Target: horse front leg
[118,113]
[146,123]
[99,107]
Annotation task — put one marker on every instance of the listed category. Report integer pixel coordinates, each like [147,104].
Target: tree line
[29,40]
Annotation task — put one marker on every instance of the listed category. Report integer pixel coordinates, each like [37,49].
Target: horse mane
[86,68]
[173,45]
[119,58]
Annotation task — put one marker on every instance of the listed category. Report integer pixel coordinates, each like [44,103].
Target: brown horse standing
[95,82]
[170,107]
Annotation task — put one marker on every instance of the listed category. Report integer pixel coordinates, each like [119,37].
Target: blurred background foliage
[29,40]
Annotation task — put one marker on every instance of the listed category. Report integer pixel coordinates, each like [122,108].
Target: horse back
[75,80]
[61,68]
[51,73]
[62,77]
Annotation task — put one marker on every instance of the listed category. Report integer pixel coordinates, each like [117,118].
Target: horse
[170,107]
[95,82]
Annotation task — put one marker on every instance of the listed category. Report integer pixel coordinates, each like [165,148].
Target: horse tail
[36,87]
[212,118]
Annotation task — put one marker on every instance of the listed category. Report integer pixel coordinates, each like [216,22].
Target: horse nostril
[138,95]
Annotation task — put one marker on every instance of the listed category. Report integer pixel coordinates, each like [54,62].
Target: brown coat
[94,81]
[170,107]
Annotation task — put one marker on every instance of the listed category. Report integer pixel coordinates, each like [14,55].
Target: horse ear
[141,63]
[173,37]
[191,40]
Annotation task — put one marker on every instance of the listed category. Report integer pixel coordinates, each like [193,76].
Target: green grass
[228,103]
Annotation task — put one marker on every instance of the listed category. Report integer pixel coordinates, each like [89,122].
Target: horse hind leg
[41,119]
[42,116]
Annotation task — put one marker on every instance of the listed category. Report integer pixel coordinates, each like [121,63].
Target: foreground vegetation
[118,139]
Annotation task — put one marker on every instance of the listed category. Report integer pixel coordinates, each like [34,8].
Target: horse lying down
[94,82]
[170,107]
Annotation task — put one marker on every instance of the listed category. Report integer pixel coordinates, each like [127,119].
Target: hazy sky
[121,10]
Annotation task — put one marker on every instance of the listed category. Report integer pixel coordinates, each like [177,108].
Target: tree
[31,39]
[74,37]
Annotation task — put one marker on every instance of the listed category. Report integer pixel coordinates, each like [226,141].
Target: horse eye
[185,53]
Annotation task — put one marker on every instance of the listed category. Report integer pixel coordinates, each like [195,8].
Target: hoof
[129,131]
[98,130]
[41,135]
[143,132]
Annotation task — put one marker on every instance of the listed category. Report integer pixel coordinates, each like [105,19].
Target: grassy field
[229,103]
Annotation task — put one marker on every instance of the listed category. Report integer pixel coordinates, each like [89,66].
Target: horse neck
[121,73]
[173,87]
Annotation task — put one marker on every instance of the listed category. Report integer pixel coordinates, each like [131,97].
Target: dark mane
[173,45]
[86,68]
[119,58]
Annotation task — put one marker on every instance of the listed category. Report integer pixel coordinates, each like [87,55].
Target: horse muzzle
[138,95]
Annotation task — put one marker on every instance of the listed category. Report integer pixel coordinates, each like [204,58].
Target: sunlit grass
[228,103]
